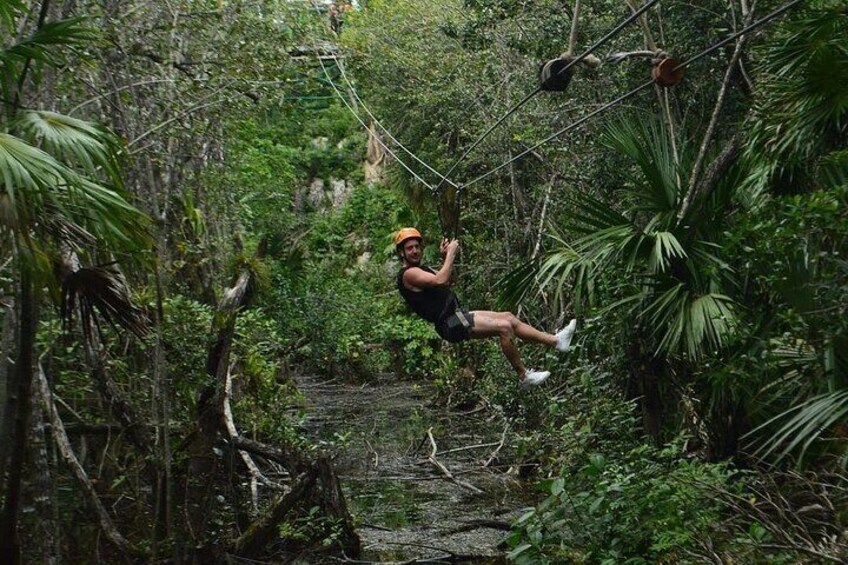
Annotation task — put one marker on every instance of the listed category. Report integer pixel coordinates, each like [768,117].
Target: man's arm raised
[419,278]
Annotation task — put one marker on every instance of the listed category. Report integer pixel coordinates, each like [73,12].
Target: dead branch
[497,450]
[575,20]
[374,451]
[469,447]
[65,449]
[261,532]
[288,458]
[432,459]
[255,473]
[539,230]
[708,136]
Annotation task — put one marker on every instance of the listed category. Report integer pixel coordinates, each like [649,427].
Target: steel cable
[386,131]
[538,89]
[635,91]
[364,125]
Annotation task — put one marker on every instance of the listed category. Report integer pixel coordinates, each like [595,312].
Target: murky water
[405,506]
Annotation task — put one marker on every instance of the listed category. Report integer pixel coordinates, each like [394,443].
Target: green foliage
[802,101]
[673,278]
[59,174]
[790,252]
[265,392]
[186,339]
[640,506]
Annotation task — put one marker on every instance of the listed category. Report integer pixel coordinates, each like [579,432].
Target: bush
[643,506]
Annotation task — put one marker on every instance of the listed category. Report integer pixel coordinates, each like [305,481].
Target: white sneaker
[533,377]
[564,336]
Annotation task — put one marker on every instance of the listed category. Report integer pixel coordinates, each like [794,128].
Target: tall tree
[61,184]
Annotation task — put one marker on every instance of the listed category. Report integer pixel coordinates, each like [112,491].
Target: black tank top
[433,303]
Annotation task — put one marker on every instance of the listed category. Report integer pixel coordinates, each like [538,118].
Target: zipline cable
[635,91]
[538,89]
[443,178]
[365,126]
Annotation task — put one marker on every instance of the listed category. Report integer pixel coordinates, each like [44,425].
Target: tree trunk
[10,545]
[64,446]
[643,384]
[47,534]
[164,528]
[7,408]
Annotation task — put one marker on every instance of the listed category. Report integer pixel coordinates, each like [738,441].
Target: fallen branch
[261,532]
[476,524]
[288,458]
[494,454]
[255,473]
[432,459]
[67,452]
[469,447]
[374,451]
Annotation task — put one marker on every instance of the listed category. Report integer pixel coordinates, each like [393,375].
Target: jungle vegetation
[197,204]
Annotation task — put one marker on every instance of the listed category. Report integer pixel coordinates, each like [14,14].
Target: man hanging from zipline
[429,295]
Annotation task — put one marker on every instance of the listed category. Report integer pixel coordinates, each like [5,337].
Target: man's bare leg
[523,330]
[488,325]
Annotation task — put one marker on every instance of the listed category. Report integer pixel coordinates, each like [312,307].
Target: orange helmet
[406,233]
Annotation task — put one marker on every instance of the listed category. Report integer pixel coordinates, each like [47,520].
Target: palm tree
[60,188]
[662,265]
[674,281]
[797,145]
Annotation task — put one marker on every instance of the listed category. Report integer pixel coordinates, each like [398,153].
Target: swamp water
[405,508]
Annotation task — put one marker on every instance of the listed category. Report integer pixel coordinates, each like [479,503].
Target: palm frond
[592,214]
[802,102]
[101,290]
[39,46]
[37,183]
[646,142]
[72,140]
[690,324]
[61,229]
[833,169]
[804,425]
[105,212]
[514,287]
[29,173]
[666,248]
[9,10]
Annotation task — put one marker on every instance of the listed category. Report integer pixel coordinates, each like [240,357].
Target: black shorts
[456,327]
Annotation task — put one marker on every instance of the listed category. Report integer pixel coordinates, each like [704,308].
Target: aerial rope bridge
[554,76]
